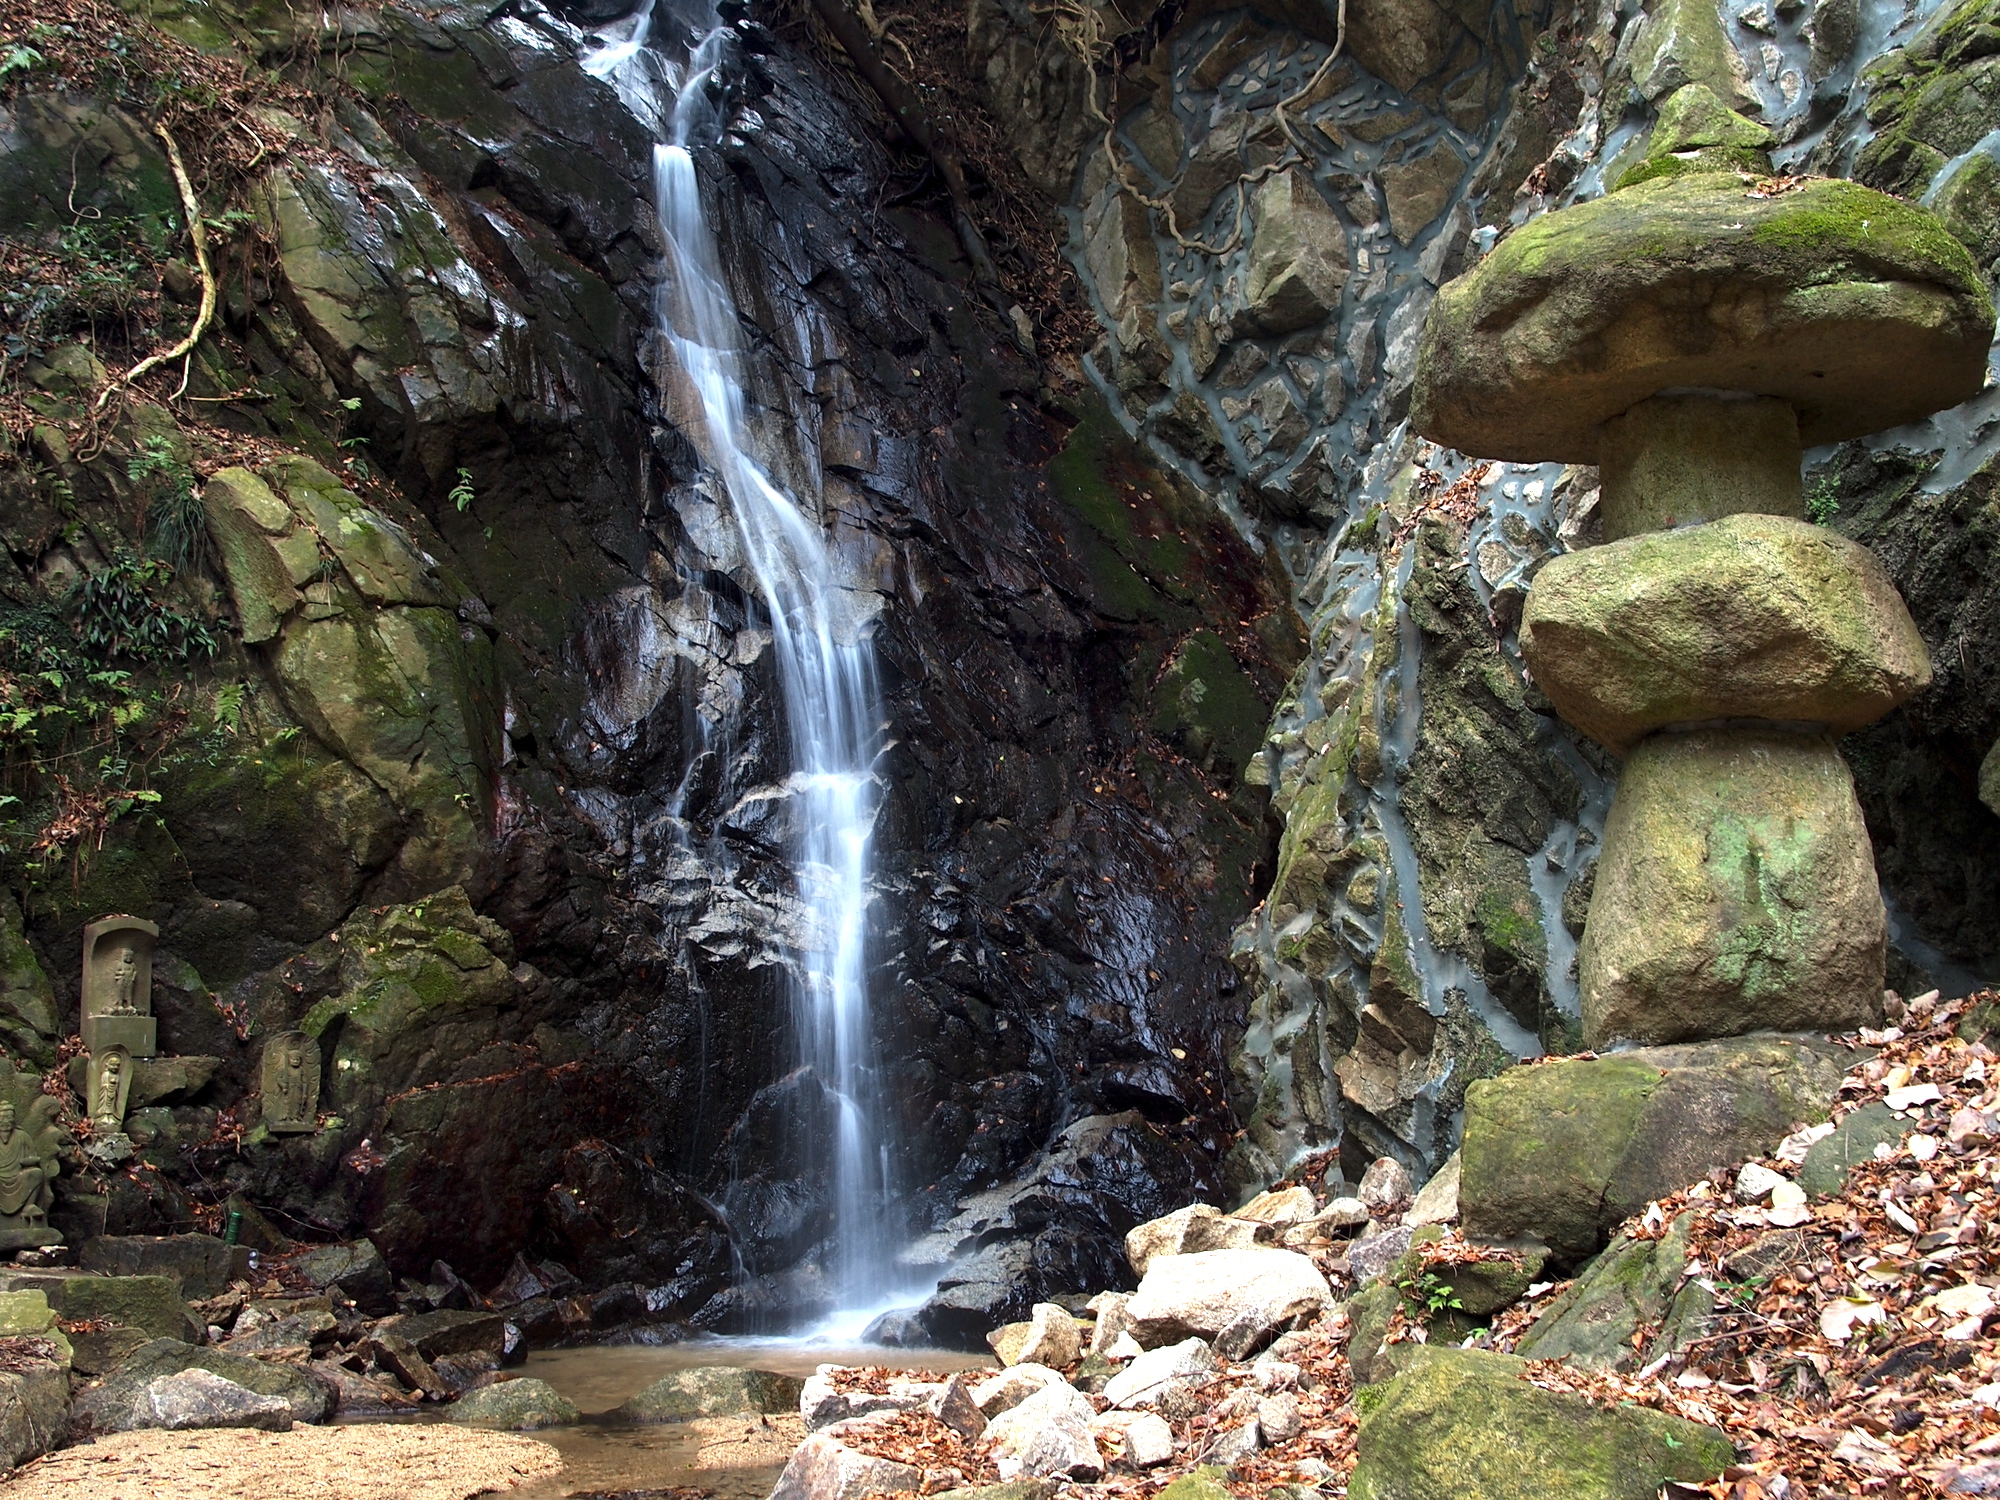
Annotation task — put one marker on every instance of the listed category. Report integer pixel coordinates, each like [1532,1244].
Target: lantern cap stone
[1860,310]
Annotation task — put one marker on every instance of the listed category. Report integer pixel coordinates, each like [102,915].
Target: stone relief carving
[291,1083]
[31,1144]
[110,1089]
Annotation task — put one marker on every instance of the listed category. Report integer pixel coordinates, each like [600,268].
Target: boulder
[1372,1255]
[1112,1319]
[1853,1141]
[150,1304]
[711,1391]
[1298,255]
[824,1468]
[1632,1284]
[1385,1185]
[1463,1425]
[955,1407]
[1369,1313]
[1683,42]
[1148,1441]
[451,1331]
[1148,1375]
[108,1405]
[1564,1151]
[1050,1337]
[1005,1391]
[1048,1436]
[34,1405]
[1736,892]
[1190,1231]
[515,1406]
[1697,132]
[26,1314]
[1204,1483]
[1237,1299]
[1748,617]
[1437,1200]
[198,1262]
[1813,296]
[1281,1208]
[354,1268]
[200,1398]
[1341,1216]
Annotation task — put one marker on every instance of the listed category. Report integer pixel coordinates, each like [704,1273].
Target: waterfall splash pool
[733,1458]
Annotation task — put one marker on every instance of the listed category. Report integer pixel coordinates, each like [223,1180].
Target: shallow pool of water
[600,1376]
[733,1458]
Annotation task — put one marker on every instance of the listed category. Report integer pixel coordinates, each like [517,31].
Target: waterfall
[832,704]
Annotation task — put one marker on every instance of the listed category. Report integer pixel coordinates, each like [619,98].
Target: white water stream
[826,667]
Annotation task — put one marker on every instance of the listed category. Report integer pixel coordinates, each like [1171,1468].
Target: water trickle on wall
[826,665]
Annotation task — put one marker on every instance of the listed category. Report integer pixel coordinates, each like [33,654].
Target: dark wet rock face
[505,829]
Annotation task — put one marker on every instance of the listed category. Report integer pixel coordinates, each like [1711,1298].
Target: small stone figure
[124,981]
[118,987]
[110,1087]
[31,1145]
[291,1083]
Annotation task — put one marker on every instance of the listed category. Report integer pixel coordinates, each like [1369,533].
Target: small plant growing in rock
[176,525]
[1822,501]
[1429,1294]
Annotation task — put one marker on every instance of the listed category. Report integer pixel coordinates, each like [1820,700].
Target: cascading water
[826,670]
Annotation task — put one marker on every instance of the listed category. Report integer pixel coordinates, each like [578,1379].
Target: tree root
[198,233]
[902,102]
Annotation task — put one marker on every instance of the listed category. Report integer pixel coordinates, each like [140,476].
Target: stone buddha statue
[22,1172]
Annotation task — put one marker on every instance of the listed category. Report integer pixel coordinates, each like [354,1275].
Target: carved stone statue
[31,1144]
[110,1088]
[118,987]
[291,1083]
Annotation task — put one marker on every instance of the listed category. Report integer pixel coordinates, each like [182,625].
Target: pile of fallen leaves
[1848,1352]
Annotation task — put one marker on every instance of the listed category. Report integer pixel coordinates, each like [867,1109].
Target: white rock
[199,1398]
[1275,1374]
[1233,1444]
[1048,1434]
[1149,1442]
[1112,1320]
[1278,1418]
[1189,1231]
[1385,1185]
[1051,1337]
[1437,1200]
[1123,1347]
[1281,1208]
[1236,1299]
[1008,1389]
[824,1468]
[1755,1181]
[1153,1371]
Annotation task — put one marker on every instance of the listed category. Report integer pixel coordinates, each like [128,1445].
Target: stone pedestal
[138,1035]
[1736,892]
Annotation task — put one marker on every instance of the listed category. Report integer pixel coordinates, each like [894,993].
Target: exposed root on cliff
[205,315]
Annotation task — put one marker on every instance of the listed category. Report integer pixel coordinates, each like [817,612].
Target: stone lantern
[1689,334]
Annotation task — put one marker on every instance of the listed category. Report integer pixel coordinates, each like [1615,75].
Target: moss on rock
[1463,1425]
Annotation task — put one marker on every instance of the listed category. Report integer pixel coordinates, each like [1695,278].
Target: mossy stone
[1860,310]
[1463,1425]
[1747,617]
[1632,1284]
[150,1304]
[711,1391]
[27,1313]
[1969,203]
[1736,893]
[1204,1483]
[1697,132]
[515,1406]
[1563,1151]
[1682,42]
[28,1024]
[1831,1158]
[241,508]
